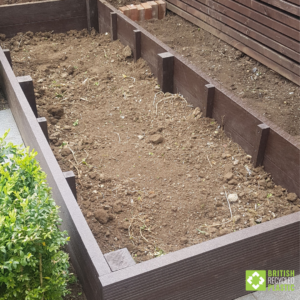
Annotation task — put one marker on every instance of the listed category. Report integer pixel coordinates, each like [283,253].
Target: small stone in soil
[56,111]
[228,176]
[233,197]
[224,231]
[127,52]
[102,216]
[156,139]
[291,197]
[183,240]
[65,152]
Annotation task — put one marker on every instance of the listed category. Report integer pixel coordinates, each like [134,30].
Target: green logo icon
[255,280]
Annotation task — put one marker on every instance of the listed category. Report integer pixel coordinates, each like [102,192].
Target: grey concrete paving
[7,121]
[270,295]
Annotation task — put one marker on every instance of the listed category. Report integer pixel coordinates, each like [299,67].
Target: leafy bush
[32,264]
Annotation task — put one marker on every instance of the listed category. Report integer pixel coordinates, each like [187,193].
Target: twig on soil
[209,161]
[87,155]
[20,41]
[78,174]
[130,225]
[228,202]
[156,95]
[73,155]
[215,224]
[133,180]
[118,136]
[170,97]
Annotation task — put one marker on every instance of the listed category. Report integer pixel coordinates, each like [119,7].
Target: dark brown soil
[259,87]
[152,174]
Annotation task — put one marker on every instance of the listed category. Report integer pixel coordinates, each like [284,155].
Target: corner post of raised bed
[166,72]
[7,55]
[26,84]
[208,100]
[114,26]
[92,14]
[137,45]
[260,143]
[44,126]
[70,177]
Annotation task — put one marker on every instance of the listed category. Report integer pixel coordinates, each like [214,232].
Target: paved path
[7,121]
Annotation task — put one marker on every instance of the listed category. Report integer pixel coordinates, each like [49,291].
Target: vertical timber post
[137,45]
[209,100]
[44,126]
[27,87]
[70,177]
[7,55]
[113,26]
[166,72]
[262,134]
[92,14]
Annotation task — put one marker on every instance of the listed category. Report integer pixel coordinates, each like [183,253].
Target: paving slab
[7,121]
[273,295]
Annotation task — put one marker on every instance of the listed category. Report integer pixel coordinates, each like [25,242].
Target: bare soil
[261,88]
[152,174]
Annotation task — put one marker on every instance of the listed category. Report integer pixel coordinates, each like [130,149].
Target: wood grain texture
[113,26]
[262,134]
[248,24]
[237,43]
[84,251]
[44,126]
[204,270]
[297,2]
[243,34]
[8,56]
[26,84]
[286,6]
[209,100]
[137,44]
[257,18]
[57,16]
[166,72]
[92,14]
[71,180]
[272,13]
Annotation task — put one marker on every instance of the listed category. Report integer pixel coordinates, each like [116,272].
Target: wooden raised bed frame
[211,270]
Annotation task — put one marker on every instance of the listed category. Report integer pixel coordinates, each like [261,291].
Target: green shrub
[32,264]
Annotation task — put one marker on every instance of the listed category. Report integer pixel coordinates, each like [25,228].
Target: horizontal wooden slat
[266,56]
[249,27]
[289,7]
[204,270]
[260,18]
[57,16]
[272,13]
[297,2]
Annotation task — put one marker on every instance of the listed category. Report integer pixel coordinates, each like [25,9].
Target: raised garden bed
[191,271]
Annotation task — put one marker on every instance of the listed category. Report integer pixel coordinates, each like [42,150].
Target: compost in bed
[152,174]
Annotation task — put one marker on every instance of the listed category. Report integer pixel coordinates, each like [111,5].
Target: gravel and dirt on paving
[152,174]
